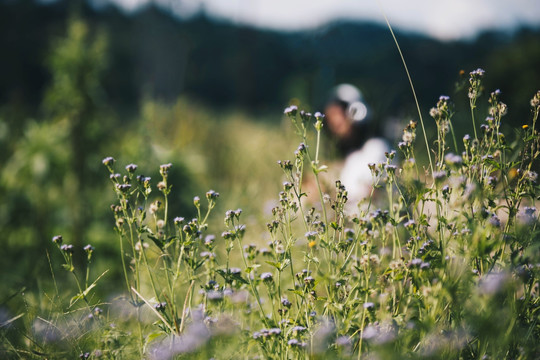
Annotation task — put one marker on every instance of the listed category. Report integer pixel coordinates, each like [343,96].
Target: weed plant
[447,266]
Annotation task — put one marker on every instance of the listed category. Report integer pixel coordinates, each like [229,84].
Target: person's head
[345,110]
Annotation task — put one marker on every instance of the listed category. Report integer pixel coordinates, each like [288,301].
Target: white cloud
[442,19]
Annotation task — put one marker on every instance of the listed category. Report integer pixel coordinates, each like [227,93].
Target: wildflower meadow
[442,261]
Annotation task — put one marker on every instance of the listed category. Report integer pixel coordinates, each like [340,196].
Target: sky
[442,19]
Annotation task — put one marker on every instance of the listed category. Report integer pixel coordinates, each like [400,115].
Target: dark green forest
[152,54]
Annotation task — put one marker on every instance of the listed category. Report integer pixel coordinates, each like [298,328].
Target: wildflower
[373,168]
[299,329]
[291,110]
[123,187]
[209,239]
[374,259]
[390,169]
[67,248]
[160,306]
[285,302]
[309,280]
[267,277]
[369,305]
[196,201]
[154,207]
[214,295]
[178,220]
[57,239]
[89,248]
[444,98]
[212,195]
[108,161]
[531,176]
[85,355]
[301,149]
[164,169]
[408,137]
[131,168]
[445,190]
[535,101]
[478,72]
[160,223]
[453,159]
[240,229]
[306,116]
[415,262]
[161,185]
[208,255]
[120,222]
[495,221]
[139,246]
[343,341]
[410,224]
[390,155]
[296,342]
[492,283]
[285,164]
[402,145]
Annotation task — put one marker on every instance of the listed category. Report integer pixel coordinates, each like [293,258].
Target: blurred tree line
[78,84]
[151,53]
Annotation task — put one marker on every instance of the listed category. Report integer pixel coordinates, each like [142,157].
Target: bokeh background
[203,84]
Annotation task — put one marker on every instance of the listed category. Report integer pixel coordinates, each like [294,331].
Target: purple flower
[108,161]
[291,110]
[369,305]
[131,168]
[67,248]
[57,239]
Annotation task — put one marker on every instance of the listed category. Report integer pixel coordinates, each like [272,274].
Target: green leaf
[277,265]
[152,337]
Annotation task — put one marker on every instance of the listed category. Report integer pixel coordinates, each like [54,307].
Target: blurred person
[358,140]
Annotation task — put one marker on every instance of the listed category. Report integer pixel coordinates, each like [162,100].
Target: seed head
[161,185]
